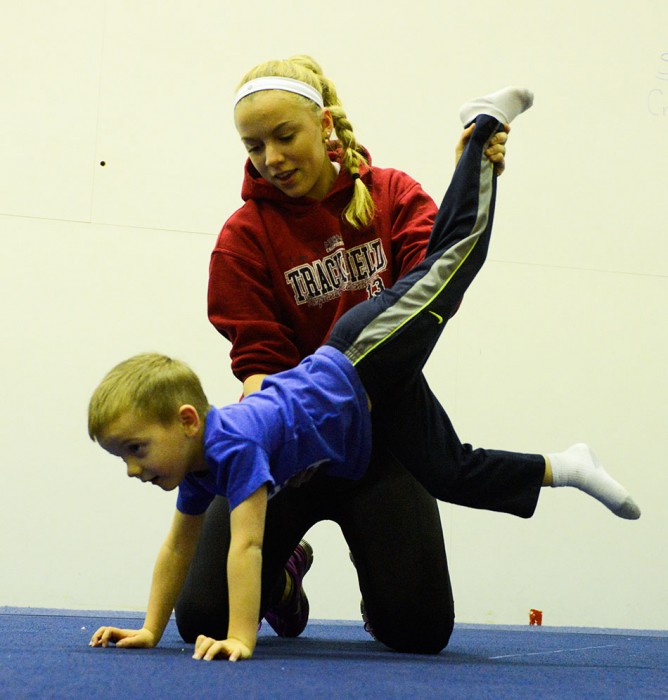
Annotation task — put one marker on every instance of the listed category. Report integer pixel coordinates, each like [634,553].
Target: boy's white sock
[504,105]
[577,466]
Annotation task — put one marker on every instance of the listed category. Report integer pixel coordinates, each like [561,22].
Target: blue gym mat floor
[45,654]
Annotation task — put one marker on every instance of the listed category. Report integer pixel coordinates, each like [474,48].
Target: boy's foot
[504,105]
[578,466]
[289,618]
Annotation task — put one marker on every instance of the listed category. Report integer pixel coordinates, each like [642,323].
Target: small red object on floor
[535,617]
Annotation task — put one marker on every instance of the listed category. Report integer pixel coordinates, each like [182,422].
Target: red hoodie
[284,269]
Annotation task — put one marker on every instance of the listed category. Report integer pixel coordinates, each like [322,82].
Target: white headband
[274,82]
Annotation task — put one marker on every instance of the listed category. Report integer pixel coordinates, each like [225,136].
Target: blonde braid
[360,210]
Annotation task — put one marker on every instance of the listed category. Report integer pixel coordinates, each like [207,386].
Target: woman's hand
[496,148]
[232,649]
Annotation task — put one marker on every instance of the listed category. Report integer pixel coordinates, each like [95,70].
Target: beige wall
[562,338]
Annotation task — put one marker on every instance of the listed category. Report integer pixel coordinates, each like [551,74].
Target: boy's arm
[171,569]
[169,573]
[244,576]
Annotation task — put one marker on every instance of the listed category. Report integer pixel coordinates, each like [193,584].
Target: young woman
[321,230]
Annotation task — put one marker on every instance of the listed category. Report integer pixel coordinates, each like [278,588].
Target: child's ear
[189,419]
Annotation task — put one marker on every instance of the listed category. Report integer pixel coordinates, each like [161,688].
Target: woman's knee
[194,617]
[405,633]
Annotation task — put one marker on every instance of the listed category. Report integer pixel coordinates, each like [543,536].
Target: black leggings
[393,529]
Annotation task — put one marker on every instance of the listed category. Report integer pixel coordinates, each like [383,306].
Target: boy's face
[156,453]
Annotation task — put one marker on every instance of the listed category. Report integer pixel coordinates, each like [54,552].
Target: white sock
[504,105]
[577,466]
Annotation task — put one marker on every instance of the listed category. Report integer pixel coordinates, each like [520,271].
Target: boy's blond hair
[360,210]
[150,385]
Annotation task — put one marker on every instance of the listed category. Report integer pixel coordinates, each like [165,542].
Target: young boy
[152,412]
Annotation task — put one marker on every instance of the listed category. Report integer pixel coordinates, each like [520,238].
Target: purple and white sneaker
[289,619]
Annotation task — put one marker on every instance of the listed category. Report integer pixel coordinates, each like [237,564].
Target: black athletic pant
[393,529]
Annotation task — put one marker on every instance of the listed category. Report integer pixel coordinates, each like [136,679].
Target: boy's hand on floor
[232,649]
[138,639]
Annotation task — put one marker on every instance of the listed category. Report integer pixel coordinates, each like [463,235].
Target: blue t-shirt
[314,415]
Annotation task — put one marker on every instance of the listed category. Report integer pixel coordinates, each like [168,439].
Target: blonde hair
[150,385]
[360,210]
